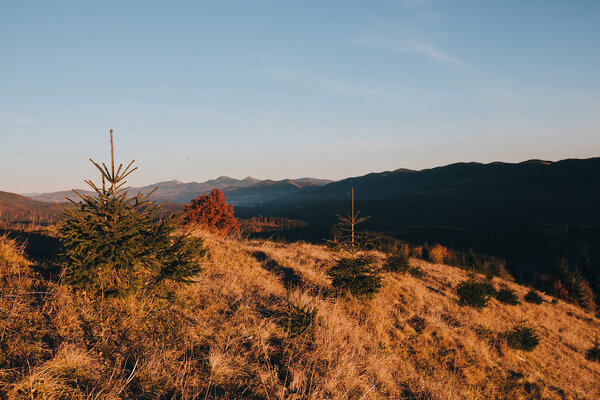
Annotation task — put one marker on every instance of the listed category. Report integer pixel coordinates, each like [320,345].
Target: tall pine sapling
[345,235]
[355,276]
[115,244]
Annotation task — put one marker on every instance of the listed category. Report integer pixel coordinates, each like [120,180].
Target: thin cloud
[413,2]
[356,89]
[333,85]
[429,51]
[10,120]
[401,46]
[351,88]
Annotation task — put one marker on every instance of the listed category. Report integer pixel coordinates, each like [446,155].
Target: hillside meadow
[260,322]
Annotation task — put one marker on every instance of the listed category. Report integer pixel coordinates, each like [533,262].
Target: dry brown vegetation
[228,335]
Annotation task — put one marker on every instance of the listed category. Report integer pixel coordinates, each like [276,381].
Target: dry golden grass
[12,253]
[72,373]
[227,336]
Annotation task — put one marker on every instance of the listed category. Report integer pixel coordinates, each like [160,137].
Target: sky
[287,89]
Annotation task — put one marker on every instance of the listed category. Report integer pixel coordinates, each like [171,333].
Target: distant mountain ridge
[18,202]
[528,213]
[247,192]
[21,209]
[565,191]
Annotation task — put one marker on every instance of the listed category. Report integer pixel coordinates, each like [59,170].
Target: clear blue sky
[277,89]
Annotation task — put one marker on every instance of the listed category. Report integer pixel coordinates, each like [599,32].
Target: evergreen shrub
[416,272]
[474,293]
[355,276]
[506,296]
[593,353]
[521,337]
[398,261]
[300,318]
[116,244]
[533,297]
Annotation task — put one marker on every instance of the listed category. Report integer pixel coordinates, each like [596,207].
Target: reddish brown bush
[560,291]
[438,254]
[212,212]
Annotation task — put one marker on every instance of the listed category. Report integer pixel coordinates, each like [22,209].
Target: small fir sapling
[116,244]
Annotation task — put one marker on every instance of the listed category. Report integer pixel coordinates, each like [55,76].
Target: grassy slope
[226,336]
[16,202]
[15,208]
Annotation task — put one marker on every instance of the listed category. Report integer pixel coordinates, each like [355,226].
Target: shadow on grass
[289,277]
[40,248]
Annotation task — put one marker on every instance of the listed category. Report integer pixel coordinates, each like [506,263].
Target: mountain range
[15,208]
[245,192]
[462,194]
[420,322]
[528,213]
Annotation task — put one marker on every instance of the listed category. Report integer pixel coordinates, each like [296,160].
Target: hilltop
[232,334]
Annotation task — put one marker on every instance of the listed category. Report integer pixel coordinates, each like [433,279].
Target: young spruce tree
[115,244]
[345,235]
[354,275]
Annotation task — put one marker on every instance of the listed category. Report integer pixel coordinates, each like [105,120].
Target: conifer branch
[119,169]
[112,163]
[120,185]
[107,172]
[127,174]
